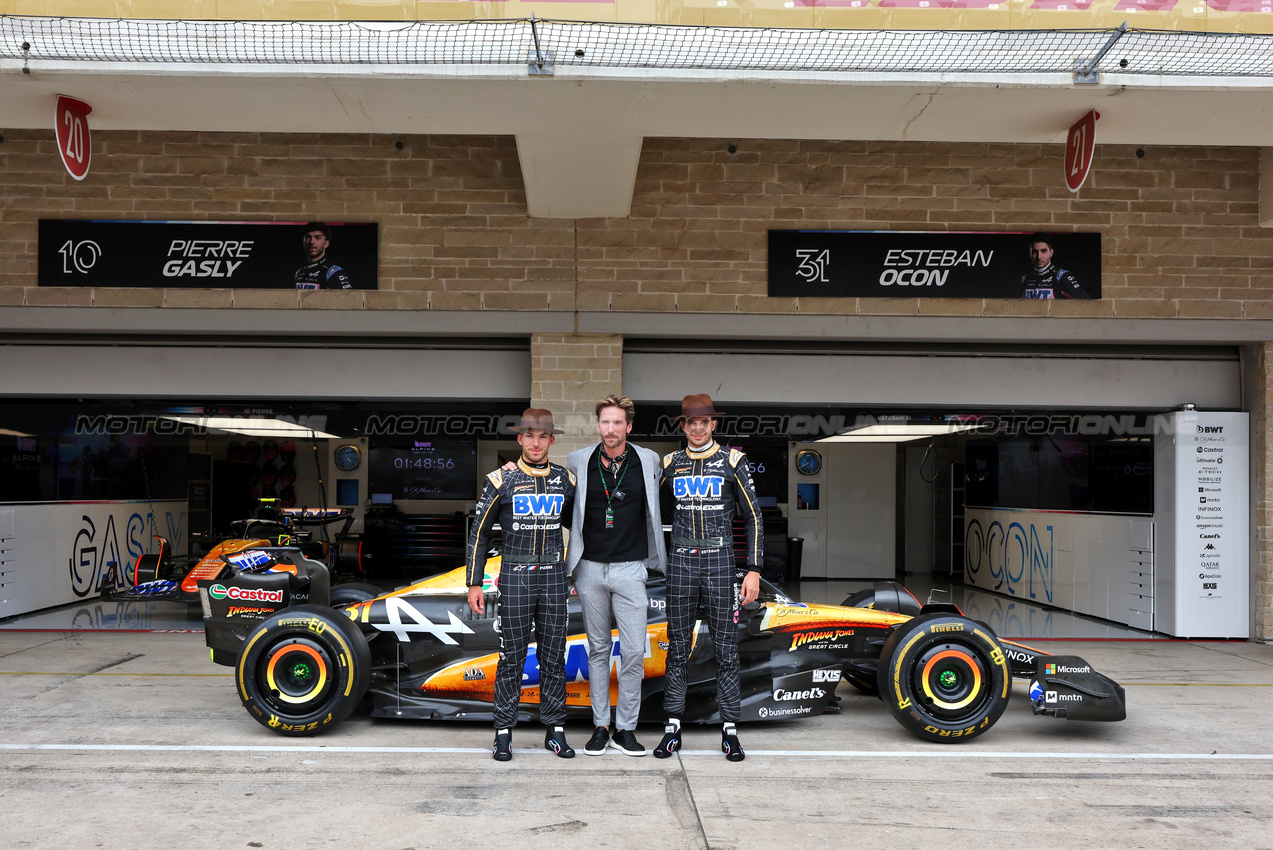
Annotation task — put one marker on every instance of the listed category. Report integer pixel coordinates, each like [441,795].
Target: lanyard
[610,493]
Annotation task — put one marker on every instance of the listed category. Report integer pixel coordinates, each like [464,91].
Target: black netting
[602,45]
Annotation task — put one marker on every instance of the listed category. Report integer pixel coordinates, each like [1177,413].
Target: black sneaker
[503,749]
[671,742]
[625,742]
[730,747]
[596,745]
[555,741]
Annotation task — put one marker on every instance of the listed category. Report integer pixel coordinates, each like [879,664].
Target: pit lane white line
[846,754]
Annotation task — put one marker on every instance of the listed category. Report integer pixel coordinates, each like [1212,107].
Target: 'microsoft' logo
[245,594]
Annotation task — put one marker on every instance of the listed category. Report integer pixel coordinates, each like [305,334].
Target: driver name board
[208,254]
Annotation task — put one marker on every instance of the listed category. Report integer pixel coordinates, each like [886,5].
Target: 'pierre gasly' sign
[208,254]
[885,264]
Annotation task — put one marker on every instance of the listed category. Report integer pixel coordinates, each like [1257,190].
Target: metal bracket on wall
[539,61]
[1085,73]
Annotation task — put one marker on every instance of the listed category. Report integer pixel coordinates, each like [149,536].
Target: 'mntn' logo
[537,504]
[690,486]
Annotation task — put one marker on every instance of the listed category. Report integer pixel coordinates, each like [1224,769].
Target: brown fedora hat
[537,419]
[698,404]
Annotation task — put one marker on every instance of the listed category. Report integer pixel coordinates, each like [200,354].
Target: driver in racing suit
[1045,280]
[530,502]
[706,482]
[319,272]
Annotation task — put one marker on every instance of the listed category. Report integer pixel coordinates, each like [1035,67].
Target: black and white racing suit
[529,503]
[705,486]
[322,275]
[1051,282]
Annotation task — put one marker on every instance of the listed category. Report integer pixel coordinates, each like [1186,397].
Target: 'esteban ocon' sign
[205,254]
[885,264]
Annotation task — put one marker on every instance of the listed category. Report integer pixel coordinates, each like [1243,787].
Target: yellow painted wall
[1193,15]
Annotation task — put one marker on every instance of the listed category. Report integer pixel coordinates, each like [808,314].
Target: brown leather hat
[699,404]
[537,419]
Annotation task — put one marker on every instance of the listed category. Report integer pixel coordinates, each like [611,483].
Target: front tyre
[944,677]
[303,669]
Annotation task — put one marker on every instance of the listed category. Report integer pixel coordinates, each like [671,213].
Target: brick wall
[1180,229]
[454,234]
[569,375]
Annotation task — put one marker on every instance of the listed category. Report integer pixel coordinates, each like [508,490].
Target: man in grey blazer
[616,538]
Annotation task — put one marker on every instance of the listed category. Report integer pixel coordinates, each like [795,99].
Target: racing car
[281,532]
[420,652]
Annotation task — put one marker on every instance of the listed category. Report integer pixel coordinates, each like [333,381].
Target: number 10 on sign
[1079,144]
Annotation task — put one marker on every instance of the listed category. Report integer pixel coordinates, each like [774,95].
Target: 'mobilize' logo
[245,594]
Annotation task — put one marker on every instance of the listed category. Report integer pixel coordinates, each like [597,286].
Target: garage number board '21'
[1080,143]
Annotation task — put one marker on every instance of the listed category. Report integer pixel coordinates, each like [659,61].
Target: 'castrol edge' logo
[245,594]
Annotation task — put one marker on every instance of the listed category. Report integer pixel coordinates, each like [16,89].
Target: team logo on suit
[537,504]
[697,485]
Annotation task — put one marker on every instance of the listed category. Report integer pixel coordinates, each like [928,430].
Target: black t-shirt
[627,540]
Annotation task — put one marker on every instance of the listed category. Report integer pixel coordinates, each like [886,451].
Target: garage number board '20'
[71,124]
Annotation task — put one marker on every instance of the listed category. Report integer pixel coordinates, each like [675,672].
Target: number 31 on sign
[1079,144]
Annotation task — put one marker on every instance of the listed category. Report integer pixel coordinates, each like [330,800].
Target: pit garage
[936,466]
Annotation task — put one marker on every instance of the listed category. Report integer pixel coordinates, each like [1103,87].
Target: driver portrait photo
[319,272]
[1046,280]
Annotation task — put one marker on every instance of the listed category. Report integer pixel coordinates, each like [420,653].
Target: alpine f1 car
[283,533]
[421,653]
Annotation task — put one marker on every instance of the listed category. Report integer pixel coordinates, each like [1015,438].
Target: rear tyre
[303,669]
[944,677]
[354,591]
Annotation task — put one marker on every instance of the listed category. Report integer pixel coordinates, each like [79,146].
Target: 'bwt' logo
[697,485]
[537,504]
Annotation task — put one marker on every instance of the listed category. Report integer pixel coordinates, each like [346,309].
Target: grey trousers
[616,589]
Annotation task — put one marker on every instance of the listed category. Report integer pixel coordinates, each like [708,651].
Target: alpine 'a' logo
[396,608]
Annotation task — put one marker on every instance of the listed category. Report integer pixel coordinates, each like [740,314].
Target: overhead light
[253,427]
[899,433]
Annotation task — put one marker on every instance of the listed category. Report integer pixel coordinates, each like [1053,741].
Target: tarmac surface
[137,740]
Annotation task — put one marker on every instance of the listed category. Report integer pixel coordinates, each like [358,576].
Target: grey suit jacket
[652,469]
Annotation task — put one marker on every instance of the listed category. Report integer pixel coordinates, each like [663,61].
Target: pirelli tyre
[944,677]
[303,669]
